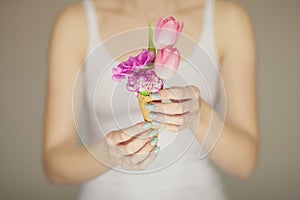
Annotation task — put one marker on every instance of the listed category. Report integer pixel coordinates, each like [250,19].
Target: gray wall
[24,34]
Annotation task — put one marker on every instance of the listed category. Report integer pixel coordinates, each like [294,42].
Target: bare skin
[67,163]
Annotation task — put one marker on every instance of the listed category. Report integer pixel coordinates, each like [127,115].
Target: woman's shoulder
[73,14]
[231,19]
[231,10]
[70,29]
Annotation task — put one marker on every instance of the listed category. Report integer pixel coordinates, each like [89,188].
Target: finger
[131,162]
[177,93]
[137,143]
[180,119]
[128,167]
[150,158]
[174,108]
[142,153]
[173,127]
[119,136]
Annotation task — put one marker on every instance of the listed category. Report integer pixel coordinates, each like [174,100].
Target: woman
[226,33]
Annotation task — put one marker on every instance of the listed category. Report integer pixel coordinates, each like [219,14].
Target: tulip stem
[151,46]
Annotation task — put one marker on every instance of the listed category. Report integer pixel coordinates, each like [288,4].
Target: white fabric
[182,175]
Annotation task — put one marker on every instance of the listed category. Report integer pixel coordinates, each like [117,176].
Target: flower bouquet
[146,72]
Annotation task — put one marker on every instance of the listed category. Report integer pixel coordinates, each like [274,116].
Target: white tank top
[177,172]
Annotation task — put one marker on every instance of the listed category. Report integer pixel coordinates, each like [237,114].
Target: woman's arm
[237,149]
[64,160]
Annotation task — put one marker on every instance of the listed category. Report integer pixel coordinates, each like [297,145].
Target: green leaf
[150,67]
[145,93]
[151,46]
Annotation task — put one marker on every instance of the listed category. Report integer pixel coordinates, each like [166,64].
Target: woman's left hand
[175,108]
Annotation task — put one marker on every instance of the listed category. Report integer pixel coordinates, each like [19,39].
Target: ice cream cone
[143,100]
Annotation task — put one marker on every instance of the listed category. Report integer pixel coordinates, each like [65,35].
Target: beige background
[24,33]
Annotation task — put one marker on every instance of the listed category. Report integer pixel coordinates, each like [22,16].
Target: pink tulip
[166,62]
[167,32]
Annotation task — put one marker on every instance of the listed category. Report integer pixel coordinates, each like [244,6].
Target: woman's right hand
[135,147]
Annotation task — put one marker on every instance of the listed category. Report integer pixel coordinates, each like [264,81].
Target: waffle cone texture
[143,100]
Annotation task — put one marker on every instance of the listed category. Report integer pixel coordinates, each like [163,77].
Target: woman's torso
[177,172]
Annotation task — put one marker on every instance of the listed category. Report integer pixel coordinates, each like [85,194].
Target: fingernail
[147,125]
[155,96]
[155,124]
[154,141]
[152,133]
[157,149]
[153,115]
[149,106]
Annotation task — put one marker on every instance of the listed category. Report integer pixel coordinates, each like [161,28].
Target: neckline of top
[100,41]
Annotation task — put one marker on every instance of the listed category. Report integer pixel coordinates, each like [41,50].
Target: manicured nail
[155,124]
[152,133]
[149,106]
[147,125]
[157,149]
[155,96]
[154,141]
[153,115]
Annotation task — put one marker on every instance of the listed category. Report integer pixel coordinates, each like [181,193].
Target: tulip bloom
[166,62]
[167,32]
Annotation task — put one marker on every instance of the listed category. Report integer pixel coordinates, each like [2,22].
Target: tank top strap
[93,27]
[209,17]
[208,37]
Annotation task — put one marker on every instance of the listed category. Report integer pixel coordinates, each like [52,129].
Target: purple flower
[140,73]
[133,64]
[144,81]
